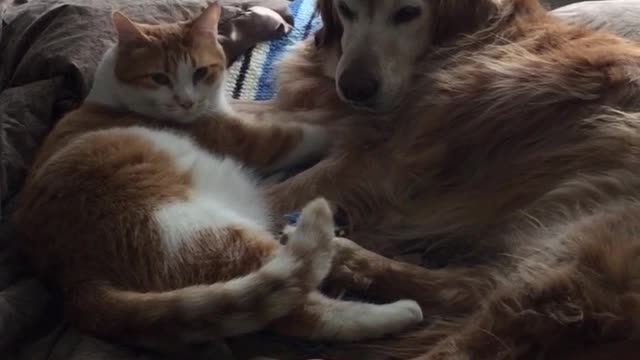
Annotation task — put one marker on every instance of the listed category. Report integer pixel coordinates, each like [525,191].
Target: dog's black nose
[357,86]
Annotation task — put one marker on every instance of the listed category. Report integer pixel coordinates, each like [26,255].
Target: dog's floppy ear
[331,30]
[455,17]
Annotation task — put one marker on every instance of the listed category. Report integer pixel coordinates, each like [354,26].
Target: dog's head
[380,42]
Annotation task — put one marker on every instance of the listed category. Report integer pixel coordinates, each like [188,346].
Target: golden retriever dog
[500,138]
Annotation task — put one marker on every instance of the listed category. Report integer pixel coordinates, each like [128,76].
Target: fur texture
[512,153]
[140,210]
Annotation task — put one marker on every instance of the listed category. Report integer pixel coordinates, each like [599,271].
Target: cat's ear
[207,23]
[128,31]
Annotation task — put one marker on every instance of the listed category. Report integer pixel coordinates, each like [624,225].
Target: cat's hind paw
[311,240]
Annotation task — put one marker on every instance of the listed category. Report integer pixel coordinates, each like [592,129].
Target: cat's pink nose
[184,103]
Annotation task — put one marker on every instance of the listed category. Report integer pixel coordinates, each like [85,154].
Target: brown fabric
[48,51]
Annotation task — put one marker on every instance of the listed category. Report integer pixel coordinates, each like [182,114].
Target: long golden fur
[514,157]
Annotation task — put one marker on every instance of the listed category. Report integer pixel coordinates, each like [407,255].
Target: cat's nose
[185,103]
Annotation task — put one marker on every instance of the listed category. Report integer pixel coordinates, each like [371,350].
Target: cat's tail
[201,313]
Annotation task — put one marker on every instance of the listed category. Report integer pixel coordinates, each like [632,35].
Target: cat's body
[140,209]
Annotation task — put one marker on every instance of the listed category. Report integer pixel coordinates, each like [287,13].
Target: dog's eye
[406,14]
[346,11]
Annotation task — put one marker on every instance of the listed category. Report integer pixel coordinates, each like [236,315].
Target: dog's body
[510,141]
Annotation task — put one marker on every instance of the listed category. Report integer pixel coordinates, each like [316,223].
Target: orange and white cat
[140,210]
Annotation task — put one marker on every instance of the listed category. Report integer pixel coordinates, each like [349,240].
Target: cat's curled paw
[311,240]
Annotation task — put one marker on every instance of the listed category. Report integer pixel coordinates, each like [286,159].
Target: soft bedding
[253,76]
[48,51]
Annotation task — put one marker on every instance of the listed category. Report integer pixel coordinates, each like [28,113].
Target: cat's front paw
[312,143]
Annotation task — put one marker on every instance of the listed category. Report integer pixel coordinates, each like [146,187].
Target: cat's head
[170,71]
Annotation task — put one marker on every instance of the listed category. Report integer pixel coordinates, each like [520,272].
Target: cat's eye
[406,14]
[161,79]
[346,11]
[200,74]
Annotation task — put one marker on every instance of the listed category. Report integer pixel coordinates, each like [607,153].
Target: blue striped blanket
[252,77]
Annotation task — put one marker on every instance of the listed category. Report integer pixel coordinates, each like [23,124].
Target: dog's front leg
[439,292]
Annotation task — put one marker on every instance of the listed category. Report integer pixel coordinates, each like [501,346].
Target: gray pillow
[619,16]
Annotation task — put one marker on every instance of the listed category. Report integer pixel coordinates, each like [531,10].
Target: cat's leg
[440,292]
[197,314]
[266,145]
[452,290]
[325,319]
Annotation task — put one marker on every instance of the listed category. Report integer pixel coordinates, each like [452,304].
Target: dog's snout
[357,85]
